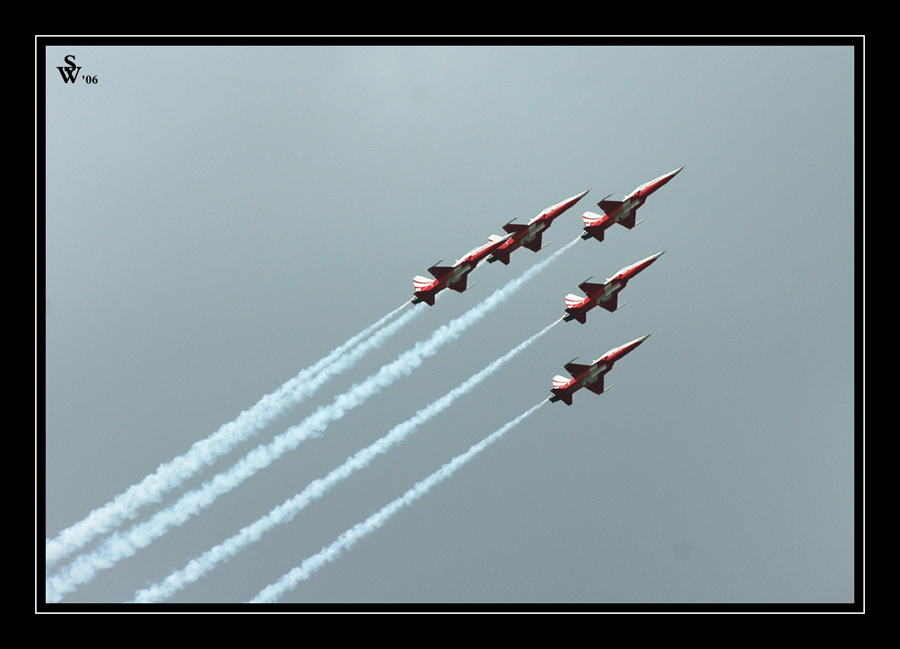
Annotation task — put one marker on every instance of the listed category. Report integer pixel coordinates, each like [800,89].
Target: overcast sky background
[219,218]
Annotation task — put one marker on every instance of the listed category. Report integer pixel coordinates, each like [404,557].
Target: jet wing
[609,206]
[535,244]
[611,303]
[628,221]
[576,368]
[597,386]
[459,285]
[440,272]
[512,228]
[590,288]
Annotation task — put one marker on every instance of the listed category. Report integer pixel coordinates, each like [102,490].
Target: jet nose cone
[635,343]
[676,172]
[574,199]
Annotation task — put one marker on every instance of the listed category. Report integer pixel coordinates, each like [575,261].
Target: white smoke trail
[204,453]
[199,567]
[122,545]
[346,540]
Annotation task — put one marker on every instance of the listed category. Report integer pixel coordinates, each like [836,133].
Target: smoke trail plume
[199,567]
[121,545]
[204,453]
[346,540]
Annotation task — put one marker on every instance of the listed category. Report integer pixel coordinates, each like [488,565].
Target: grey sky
[219,218]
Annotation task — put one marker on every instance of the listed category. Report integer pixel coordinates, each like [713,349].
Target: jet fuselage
[529,235]
[623,212]
[453,277]
[589,376]
[606,294]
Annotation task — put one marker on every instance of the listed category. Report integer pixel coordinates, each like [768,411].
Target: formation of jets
[499,248]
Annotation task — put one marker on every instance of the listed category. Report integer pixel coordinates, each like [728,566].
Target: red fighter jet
[621,212]
[589,376]
[606,294]
[530,235]
[455,276]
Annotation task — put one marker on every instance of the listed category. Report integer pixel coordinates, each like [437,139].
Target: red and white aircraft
[606,294]
[530,235]
[455,276]
[589,376]
[622,212]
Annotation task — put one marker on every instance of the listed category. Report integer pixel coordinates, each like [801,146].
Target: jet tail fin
[595,233]
[572,300]
[499,255]
[572,313]
[594,225]
[559,380]
[420,295]
[591,219]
